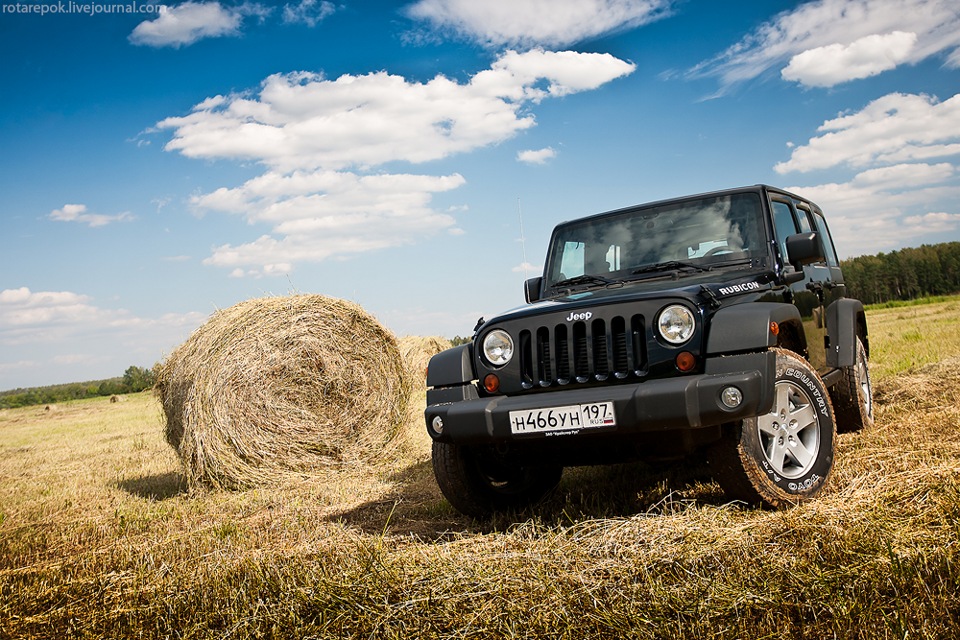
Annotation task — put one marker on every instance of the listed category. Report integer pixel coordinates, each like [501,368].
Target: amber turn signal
[774,328]
[685,361]
[491,383]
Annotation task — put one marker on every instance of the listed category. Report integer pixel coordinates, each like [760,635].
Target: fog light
[437,424]
[731,397]
[491,383]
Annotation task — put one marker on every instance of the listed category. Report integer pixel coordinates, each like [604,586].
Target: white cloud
[55,336]
[536,156]
[78,213]
[892,129]
[321,214]
[830,65]
[826,42]
[308,12]
[321,139]
[183,24]
[935,222]
[22,308]
[552,23]
[305,121]
[531,269]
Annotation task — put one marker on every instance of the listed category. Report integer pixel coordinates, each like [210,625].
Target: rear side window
[825,240]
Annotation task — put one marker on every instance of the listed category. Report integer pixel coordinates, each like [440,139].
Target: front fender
[451,367]
[746,327]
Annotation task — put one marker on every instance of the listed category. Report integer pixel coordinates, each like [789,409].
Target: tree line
[134,379]
[905,274]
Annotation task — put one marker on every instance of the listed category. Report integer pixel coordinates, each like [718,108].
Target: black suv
[715,322]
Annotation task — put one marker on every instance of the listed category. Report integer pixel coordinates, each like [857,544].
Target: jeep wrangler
[715,323]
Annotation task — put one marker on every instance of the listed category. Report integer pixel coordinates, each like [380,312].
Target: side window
[825,240]
[785,225]
[803,215]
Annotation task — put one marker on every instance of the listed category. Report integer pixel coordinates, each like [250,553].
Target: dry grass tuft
[100,537]
[418,350]
[282,385]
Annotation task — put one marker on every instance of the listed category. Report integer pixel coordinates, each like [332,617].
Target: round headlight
[676,324]
[498,347]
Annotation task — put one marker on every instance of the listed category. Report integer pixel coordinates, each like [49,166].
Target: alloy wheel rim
[790,433]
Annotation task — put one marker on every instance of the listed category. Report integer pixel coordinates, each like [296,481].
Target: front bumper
[684,402]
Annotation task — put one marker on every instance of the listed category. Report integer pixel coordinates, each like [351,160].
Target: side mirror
[804,248]
[531,289]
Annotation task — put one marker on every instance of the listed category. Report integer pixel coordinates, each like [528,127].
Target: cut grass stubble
[123,548]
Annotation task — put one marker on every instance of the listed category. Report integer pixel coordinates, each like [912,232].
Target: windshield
[702,232]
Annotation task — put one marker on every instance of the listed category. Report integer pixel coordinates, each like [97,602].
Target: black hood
[707,288]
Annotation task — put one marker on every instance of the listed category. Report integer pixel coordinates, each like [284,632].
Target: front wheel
[785,456]
[478,482]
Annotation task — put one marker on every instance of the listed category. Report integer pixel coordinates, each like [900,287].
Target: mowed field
[100,537]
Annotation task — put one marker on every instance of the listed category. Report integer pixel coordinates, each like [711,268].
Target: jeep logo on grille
[586,315]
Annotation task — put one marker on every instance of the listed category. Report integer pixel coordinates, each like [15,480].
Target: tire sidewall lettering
[811,387]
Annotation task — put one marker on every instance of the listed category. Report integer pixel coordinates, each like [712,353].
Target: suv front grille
[590,351]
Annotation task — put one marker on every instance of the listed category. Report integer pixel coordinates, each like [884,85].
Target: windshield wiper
[731,263]
[671,265]
[584,279]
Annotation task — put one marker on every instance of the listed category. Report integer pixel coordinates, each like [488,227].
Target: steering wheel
[716,250]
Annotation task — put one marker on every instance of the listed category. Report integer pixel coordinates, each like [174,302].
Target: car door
[808,293]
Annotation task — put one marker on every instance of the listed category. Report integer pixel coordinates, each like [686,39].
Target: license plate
[559,419]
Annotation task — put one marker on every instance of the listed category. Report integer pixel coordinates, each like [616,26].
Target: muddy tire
[478,482]
[853,395]
[785,456]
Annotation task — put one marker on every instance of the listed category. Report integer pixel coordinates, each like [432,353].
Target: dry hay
[417,352]
[933,388]
[282,385]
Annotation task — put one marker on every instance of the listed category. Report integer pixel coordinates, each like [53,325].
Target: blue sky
[161,163]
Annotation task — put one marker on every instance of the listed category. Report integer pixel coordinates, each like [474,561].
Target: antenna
[523,242]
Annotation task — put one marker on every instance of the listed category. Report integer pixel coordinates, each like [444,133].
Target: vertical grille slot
[526,362]
[581,359]
[544,363]
[639,347]
[621,348]
[563,355]
[601,361]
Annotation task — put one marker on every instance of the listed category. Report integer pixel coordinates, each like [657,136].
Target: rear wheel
[478,482]
[853,395]
[782,457]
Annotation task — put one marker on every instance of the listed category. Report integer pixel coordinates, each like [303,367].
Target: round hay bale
[281,385]
[418,350]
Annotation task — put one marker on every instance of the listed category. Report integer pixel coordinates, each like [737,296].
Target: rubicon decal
[734,289]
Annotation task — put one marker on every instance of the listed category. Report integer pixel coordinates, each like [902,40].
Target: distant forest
[906,274]
[134,379]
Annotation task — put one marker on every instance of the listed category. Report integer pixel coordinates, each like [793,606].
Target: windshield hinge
[711,297]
